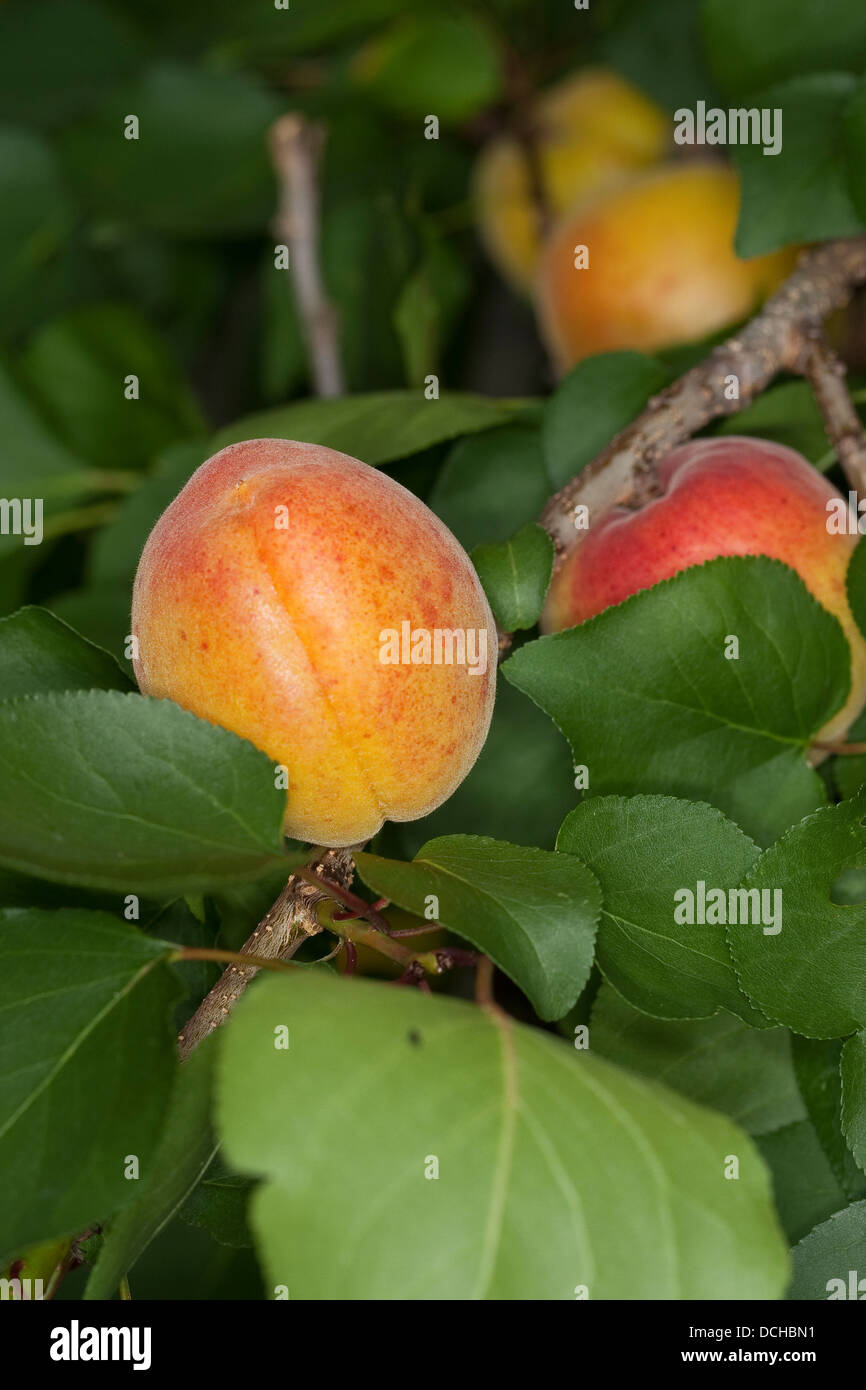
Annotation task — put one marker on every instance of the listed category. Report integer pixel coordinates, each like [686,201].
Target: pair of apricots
[296,596]
[640,252]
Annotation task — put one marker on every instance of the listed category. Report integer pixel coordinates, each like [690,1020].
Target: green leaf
[826,1257]
[33,462]
[77,367]
[555,1170]
[658,48]
[532,911]
[804,1187]
[117,791]
[58,56]
[117,547]
[853,1073]
[85,1069]
[854,132]
[745,1072]
[515,576]
[787,414]
[219,1205]
[378,427]
[810,975]
[491,484]
[426,309]
[523,751]
[36,217]
[817,1063]
[801,193]
[100,614]
[39,653]
[749,45]
[649,702]
[200,164]
[440,63]
[597,399]
[644,850]
[185,1149]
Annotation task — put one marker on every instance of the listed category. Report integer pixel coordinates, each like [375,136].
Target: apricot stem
[287,923]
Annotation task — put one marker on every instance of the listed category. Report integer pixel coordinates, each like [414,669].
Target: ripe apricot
[267,600]
[725,496]
[659,267]
[589,130]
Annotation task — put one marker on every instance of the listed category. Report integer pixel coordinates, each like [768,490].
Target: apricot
[661,268]
[589,129]
[726,496]
[285,594]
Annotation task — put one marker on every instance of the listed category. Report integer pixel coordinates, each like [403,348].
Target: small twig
[484,983]
[358,907]
[826,375]
[296,149]
[351,957]
[842,749]
[281,931]
[240,957]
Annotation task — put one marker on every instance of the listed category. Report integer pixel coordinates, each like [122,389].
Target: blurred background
[155,256]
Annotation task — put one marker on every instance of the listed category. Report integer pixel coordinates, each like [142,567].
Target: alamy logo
[22,516]
[444,646]
[855,1288]
[757,907]
[738,126]
[76,1343]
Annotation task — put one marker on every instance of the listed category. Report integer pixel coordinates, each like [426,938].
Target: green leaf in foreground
[650,702]
[532,911]
[555,1170]
[825,1258]
[377,427]
[515,576]
[720,1062]
[810,975]
[185,1149]
[645,851]
[117,791]
[39,653]
[86,1064]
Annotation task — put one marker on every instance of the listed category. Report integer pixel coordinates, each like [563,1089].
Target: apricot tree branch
[826,375]
[774,341]
[296,148]
[283,929]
